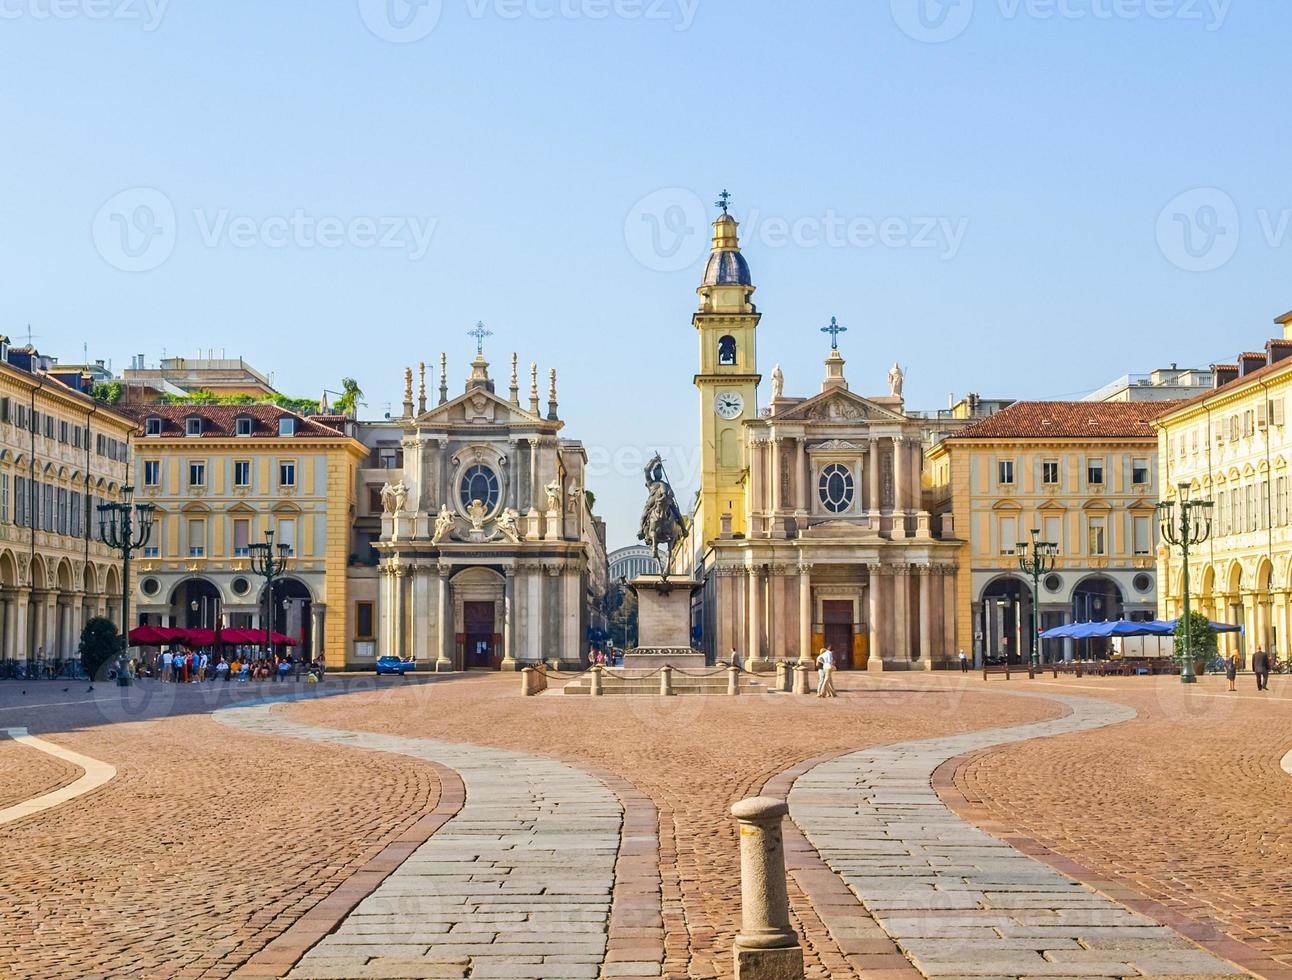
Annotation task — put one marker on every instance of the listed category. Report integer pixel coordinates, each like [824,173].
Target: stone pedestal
[664,624]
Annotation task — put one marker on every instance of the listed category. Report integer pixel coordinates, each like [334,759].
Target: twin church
[809,527]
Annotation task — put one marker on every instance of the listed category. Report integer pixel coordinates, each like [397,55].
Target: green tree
[108,392]
[100,644]
[1202,636]
[351,396]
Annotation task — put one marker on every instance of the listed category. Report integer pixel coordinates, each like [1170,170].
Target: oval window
[835,488]
[480,483]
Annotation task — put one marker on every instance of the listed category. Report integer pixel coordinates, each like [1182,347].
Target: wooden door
[477,622]
[837,617]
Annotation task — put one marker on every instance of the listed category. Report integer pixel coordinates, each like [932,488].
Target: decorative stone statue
[778,383]
[661,522]
[508,525]
[393,498]
[476,511]
[553,491]
[444,525]
[896,379]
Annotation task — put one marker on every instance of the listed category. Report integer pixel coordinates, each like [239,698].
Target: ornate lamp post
[1185,531]
[125,527]
[1036,558]
[268,565]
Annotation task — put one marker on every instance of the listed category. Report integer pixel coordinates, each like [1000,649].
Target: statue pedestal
[664,623]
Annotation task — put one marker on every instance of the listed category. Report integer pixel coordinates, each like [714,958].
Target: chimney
[1249,361]
[1225,373]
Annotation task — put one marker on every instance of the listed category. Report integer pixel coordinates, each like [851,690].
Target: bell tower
[727,325]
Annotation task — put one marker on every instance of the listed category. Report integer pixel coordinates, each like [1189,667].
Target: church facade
[489,554]
[810,526]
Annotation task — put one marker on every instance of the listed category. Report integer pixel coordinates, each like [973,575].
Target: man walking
[825,667]
[1261,667]
[964,662]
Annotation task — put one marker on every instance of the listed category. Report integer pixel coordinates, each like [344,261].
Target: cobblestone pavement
[962,903]
[25,773]
[693,757]
[518,884]
[1186,805]
[202,849]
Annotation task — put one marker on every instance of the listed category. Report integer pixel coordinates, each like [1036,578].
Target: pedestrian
[964,662]
[322,665]
[168,660]
[735,658]
[1261,666]
[202,666]
[825,667]
[1231,671]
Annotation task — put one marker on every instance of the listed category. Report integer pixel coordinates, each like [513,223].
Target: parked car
[393,665]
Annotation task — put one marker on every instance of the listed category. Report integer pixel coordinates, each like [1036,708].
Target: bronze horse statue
[662,522]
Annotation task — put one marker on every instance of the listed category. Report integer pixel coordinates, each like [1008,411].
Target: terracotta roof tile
[219,421]
[1069,420]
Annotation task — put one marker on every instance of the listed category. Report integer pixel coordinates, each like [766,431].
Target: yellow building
[1082,473]
[221,477]
[1232,445]
[61,454]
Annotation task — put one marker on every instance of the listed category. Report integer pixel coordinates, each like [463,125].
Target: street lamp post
[268,565]
[126,527]
[1036,558]
[1185,531]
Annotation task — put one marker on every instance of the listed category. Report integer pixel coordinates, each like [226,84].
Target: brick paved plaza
[447,827]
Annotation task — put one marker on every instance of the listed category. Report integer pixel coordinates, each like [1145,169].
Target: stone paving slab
[518,884]
[959,902]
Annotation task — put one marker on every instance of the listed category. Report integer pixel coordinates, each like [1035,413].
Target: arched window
[836,488]
[480,483]
[727,350]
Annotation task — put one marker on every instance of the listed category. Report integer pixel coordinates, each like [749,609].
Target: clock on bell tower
[727,324]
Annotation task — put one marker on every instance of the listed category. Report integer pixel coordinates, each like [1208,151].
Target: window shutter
[1276,411]
[1262,414]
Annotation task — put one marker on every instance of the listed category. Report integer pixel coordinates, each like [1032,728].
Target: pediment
[840,406]
[479,406]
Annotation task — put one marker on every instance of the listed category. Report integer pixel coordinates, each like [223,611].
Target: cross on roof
[480,333]
[834,330]
[724,200]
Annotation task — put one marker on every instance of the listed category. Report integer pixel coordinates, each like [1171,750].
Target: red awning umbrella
[241,636]
[281,639]
[200,638]
[172,634]
[147,636]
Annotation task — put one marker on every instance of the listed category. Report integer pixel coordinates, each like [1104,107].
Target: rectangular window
[1222,516]
[1263,507]
[152,472]
[1008,535]
[1095,472]
[151,551]
[1050,472]
[152,426]
[60,510]
[374,499]
[197,538]
[197,474]
[74,515]
[1235,512]
[47,508]
[242,425]
[1097,537]
[388,459]
[49,427]
[242,472]
[363,620]
[1143,536]
[1249,505]
[20,501]
[287,473]
[287,426]
[241,537]
[286,535]
[4,498]
[62,433]
[1005,472]
[193,426]
[1054,531]
[1139,472]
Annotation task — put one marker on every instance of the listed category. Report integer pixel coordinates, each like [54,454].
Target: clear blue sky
[1044,140]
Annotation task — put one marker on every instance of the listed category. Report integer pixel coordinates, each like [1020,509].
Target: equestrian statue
[662,522]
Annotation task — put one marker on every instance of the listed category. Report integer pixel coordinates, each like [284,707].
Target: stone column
[755,488]
[755,606]
[419,626]
[7,641]
[876,661]
[444,621]
[508,614]
[318,630]
[75,616]
[725,606]
[535,617]
[805,613]
[949,612]
[776,500]
[926,617]
[384,625]
[872,474]
[399,637]
[766,946]
[803,478]
[51,625]
[572,618]
[901,473]
[22,645]
[901,615]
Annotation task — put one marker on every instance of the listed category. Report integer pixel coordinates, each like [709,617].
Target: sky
[1020,198]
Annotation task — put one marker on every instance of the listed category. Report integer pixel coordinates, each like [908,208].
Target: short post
[527,682]
[666,680]
[733,680]
[596,682]
[1078,670]
[801,679]
[984,670]
[1031,672]
[781,669]
[766,947]
[1007,668]
[1055,667]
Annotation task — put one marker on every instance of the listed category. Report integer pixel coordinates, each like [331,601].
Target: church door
[837,614]
[480,652]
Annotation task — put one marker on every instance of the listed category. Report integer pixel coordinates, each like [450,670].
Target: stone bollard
[766,947]
[666,680]
[1031,674]
[733,680]
[595,690]
[527,682]
[781,682]
[801,680]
